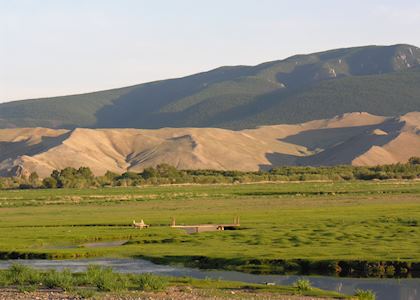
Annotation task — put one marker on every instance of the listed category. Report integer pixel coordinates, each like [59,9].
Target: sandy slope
[405,143]
[353,138]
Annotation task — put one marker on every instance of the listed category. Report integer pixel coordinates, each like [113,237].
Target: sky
[60,47]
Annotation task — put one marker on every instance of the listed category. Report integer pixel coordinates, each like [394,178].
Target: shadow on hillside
[327,137]
[142,107]
[338,145]
[13,150]
[301,76]
[279,159]
[347,151]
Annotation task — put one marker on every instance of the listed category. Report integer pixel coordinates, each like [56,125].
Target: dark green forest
[381,80]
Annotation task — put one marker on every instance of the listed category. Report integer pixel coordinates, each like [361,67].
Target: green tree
[110,175]
[49,183]
[149,172]
[55,174]
[85,172]
[33,178]
[415,160]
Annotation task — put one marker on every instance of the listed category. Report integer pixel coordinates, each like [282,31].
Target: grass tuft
[302,285]
[365,294]
[150,282]
[63,279]
[105,279]
[85,293]
[21,275]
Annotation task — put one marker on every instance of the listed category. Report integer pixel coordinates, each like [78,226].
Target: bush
[85,293]
[21,275]
[25,186]
[414,160]
[96,278]
[49,183]
[390,271]
[150,282]
[27,288]
[3,280]
[166,174]
[365,295]
[302,285]
[105,279]
[54,279]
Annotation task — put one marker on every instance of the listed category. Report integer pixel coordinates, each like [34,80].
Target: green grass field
[372,221]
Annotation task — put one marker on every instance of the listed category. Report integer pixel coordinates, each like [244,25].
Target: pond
[385,289]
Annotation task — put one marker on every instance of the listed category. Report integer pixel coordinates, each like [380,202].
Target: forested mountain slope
[382,80]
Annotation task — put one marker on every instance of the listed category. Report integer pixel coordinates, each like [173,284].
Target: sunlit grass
[320,221]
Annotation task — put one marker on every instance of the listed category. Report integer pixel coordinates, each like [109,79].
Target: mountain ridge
[382,80]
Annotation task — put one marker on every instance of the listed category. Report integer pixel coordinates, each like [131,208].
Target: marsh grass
[365,294]
[150,282]
[3,280]
[307,221]
[21,275]
[27,288]
[102,279]
[98,279]
[85,293]
[64,279]
[303,285]
[105,280]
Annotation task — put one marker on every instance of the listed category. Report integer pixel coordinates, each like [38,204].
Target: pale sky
[60,47]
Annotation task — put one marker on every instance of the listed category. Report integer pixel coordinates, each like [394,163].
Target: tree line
[83,177]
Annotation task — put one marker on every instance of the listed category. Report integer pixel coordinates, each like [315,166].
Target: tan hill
[352,138]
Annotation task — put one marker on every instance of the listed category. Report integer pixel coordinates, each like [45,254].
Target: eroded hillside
[353,138]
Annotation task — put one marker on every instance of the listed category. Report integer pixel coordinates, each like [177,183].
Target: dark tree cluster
[83,177]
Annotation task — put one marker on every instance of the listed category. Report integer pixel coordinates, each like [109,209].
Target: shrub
[49,183]
[85,293]
[3,280]
[54,279]
[365,294]
[25,186]
[166,174]
[105,279]
[390,270]
[414,160]
[302,285]
[27,288]
[22,275]
[150,282]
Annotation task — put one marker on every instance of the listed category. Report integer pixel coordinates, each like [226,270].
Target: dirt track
[172,294]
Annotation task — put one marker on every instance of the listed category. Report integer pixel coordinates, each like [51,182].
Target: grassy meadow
[281,223]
